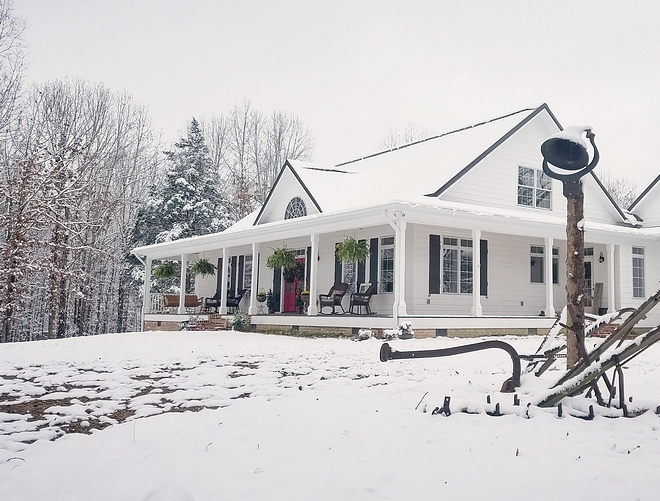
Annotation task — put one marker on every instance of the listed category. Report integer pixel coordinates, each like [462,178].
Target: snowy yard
[280,418]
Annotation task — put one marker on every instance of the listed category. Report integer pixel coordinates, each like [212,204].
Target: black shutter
[218,278]
[337,267]
[277,286]
[308,266]
[232,277]
[241,260]
[483,272]
[373,263]
[361,270]
[434,264]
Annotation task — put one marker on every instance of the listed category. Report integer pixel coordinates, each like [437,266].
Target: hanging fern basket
[282,258]
[165,271]
[350,250]
[203,267]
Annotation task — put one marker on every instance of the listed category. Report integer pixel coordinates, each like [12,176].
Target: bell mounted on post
[566,157]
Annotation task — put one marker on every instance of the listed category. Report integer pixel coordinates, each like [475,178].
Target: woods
[85,178]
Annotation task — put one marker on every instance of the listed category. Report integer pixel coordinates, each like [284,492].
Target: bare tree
[410,133]
[249,150]
[623,191]
[90,155]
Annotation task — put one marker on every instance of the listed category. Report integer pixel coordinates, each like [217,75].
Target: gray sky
[351,70]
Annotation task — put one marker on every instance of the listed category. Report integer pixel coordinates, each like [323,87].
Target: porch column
[252,310]
[549,292]
[400,268]
[146,298]
[223,282]
[477,310]
[611,293]
[182,284]
[313,309]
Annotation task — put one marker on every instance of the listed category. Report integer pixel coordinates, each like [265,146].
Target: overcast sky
[351,70]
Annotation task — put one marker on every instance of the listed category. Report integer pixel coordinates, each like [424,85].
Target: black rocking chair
[361,298]
[333,298]
[234,301]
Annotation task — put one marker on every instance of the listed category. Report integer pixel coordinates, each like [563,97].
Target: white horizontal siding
[287,188]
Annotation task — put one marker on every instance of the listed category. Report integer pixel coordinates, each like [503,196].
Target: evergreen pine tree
[190,201]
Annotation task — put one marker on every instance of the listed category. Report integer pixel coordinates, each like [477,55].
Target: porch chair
[234,301]
[361,298]
[212,302]
[333,298]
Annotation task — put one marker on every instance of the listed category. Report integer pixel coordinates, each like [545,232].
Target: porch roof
[429,211]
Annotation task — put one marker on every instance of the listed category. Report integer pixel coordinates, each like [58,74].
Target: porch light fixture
[601,258]
[566,157]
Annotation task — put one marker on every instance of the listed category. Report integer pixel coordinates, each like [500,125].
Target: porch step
[215,322]
[605,330]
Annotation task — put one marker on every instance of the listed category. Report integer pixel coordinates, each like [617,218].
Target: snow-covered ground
[280,418]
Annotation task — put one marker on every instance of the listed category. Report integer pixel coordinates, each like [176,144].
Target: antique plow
[509,386]
[584,376]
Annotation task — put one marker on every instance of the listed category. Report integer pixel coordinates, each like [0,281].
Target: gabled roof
[413,172]
[492,147]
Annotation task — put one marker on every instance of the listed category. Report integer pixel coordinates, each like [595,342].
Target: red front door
[291,290]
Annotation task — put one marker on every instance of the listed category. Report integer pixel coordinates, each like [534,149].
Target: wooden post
[575,278]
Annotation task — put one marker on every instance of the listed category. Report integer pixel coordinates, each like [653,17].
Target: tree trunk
[575,279]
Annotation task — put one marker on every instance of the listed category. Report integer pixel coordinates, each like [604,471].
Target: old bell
[567,149]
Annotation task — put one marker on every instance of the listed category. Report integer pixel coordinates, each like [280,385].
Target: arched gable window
[296,208]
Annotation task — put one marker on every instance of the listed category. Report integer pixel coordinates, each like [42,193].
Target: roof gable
[287,186]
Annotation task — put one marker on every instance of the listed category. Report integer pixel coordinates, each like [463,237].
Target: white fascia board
[532,223]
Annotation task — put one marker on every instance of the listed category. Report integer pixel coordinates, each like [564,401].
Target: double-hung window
[387,264]
[536,264]
[638,271]
[457,265]
[534,188]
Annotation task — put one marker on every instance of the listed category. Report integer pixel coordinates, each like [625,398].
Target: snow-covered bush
[363,335]
[240,320]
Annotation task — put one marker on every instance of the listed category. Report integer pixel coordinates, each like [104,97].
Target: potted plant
[165,271]
[282,258]
[271,302]
[203,267]
[261,296]
[304,295]
[350,250]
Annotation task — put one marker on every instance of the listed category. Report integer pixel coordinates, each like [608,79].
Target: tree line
[83,173]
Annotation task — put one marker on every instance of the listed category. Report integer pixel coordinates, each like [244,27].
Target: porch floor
[438,324]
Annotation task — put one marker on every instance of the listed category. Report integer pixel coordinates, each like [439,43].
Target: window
[536,264]
[247,272]
[555,265]
[387,264]
[296,208]
[457,265]
[638,271]
[534,188]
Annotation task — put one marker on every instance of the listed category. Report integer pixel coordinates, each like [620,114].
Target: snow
[300,419]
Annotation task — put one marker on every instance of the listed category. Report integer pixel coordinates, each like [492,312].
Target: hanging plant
[350,250]
[165,271]
[203,267]
[282,258]
[297,272]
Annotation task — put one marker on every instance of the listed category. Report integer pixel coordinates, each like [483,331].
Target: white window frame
[536,252]
[462,276]
[638,272]
[531,189]
[381,248]
[555,265]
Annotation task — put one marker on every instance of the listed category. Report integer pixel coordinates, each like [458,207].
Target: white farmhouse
[466,236]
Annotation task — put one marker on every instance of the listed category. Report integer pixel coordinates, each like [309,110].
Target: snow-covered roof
[409,172]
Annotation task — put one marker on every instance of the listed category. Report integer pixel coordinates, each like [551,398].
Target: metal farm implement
[585,376]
